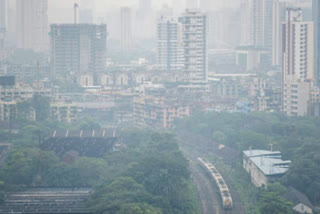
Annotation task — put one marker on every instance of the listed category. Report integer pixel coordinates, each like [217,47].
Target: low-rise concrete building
[157,112]
[8,110]
[64,112]
[22,91]
[264,166]
[300,202]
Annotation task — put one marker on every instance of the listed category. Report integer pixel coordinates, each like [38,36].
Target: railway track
[207,194]
[210,201]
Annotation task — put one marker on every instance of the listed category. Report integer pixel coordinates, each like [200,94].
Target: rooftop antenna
[76,6]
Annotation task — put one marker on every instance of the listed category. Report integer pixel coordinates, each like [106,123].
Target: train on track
[226,198]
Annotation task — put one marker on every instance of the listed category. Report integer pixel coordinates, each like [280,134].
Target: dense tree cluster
[147,175]
[298,138]
[153,178]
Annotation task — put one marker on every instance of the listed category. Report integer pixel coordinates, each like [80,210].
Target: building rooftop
[269,162]
[264,153]
[103,133]
[271,166]
[47,200]
[297,197]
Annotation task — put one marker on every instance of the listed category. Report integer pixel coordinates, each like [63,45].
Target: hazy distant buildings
[256,23]
[3,22]
[279,16]
[249,58]
[78,49]
[316,20]
[262,23]
[169,44]
[145,22]
[32,24]
[297,63]
[126,28]
[245,17]
[220,34]
[195,46]
[3,14]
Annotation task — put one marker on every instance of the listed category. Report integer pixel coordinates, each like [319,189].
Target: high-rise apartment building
[3,14]
[298,64]
[126,28]
[78,48]
[32,24]
[245,24]
[316,20]
[170,52]
[3,21]
[262,23]
[195,46]
[145,20]
[220,34]
[279,16]
[256,23]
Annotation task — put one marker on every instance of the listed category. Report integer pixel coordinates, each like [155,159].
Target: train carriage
[224,192]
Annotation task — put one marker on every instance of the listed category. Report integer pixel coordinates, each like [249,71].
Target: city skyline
[121,106]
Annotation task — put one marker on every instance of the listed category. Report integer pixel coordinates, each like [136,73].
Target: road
[210,201]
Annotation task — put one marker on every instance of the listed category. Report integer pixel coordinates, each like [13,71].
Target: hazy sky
[102,5]
[62,10]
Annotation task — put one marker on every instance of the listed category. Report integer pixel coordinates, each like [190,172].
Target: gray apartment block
[78,49]
[195,46]
[170,51]
[316,20]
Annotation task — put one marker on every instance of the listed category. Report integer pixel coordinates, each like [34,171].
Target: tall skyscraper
[3,21]
[245,23]
[170,52]
[126,28]
[194,37]
[256,26]
[32,24]
[298,63]
[220,34]
[262,23]
[78,49]
[316,20]
[3,14]
[145,21]
[279,16]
